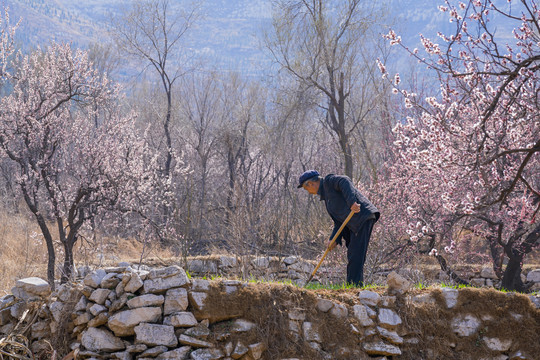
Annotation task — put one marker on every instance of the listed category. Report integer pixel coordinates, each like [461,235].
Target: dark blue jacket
[339,193]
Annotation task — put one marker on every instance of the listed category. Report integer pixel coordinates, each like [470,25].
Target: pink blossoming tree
[469,156]
[64,131]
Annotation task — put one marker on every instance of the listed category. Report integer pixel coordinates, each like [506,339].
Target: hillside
[235,26]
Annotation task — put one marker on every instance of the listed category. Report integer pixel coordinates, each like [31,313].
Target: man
[341,197]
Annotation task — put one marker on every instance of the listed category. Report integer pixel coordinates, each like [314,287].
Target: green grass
[347,286]
[421,286]
[503,290]
[339,286]
[453,286]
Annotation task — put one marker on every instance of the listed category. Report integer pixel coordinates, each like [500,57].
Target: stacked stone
[534,278]
[157,314]
[125,313]
[26,306]
[272,268]
[373,322]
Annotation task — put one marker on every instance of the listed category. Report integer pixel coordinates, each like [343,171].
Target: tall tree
[152,31]
[319,44]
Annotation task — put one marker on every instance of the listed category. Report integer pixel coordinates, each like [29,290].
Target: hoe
[329,245]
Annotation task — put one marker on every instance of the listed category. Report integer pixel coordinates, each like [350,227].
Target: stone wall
[297,270]
[161,313]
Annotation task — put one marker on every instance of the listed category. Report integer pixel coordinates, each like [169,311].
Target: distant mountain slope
[228,35]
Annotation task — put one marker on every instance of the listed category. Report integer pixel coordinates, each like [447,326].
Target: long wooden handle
[329,245]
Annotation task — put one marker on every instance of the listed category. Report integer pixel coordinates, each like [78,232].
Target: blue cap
[306,176]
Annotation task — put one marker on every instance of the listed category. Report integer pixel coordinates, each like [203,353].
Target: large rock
[302,267]
[176,300]
[242,325]
[176,354]
[297,314]
[81,304]
[34,286]
[124,322]
[389,318]
[95,339]
[534,276]
[110,281]
[197,299]
[261,262]
[191,341]
[94,278]
[339,311]
[199,331]
[256,350]
[450,296]
[155,335]
[381,348]
[290,260]
[181,319]
[239,350]
[135,283]
[146,300]
[465,325]
[397,284]
[100,319]
[200,285]
[97,309]
[165,272]
[391,336]
[488,273]
[227,261]
[369,298]
[361,314]
[497,344]
[56,308]
[153,351]
[324,305]
[310,333]
[207,354]
[40,330]
[99,296]
[171,277]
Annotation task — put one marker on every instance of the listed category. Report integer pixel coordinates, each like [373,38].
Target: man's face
[311,187]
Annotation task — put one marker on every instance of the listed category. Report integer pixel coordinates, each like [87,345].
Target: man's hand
[355,207]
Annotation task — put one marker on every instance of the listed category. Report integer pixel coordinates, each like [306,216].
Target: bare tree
[200,110]
[151,32]
[318,43]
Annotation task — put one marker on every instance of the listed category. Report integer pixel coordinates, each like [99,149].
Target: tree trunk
[69,243]
[46,234]
[167,131]
[512,275]
[496,255]
[50,249]
[68,262]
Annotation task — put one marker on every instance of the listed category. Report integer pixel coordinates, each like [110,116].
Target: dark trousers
[357,245]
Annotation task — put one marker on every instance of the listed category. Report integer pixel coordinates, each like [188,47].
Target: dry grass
[23,252]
